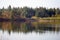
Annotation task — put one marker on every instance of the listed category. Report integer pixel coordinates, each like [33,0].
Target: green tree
[9,8]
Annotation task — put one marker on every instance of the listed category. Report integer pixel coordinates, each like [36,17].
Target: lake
[29,31]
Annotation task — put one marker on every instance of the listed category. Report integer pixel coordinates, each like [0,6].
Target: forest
[26,12]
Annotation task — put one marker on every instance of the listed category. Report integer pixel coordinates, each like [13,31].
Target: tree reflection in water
[28,27]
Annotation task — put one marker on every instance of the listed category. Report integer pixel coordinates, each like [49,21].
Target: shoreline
[51,19]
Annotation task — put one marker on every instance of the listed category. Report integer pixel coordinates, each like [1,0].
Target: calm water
[29,31]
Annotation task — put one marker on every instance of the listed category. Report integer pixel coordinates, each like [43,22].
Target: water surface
[29,31]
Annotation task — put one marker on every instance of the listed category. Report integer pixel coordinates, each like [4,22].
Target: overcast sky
[30,3]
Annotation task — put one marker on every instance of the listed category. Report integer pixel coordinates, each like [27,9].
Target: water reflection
[26,27]
[29,31]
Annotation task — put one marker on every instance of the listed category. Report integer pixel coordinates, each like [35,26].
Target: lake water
[29,31]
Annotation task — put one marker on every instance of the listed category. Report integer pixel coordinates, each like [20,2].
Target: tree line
[27,12]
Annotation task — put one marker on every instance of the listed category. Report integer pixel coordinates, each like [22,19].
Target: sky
[30,3]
